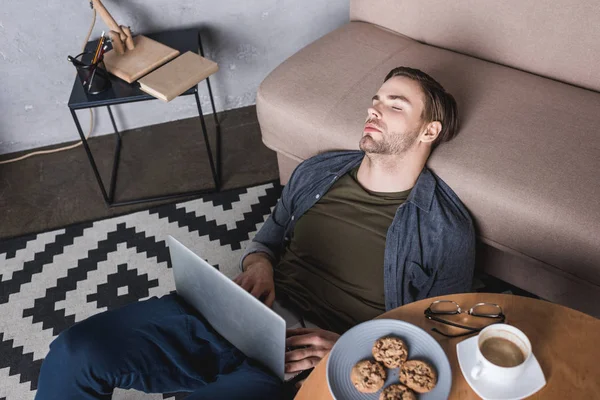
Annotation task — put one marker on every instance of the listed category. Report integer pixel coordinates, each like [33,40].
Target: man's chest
[344,233]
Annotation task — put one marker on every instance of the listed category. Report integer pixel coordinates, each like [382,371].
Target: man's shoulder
[328,162]
[447,207]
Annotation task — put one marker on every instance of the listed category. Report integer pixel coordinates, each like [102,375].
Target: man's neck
[391,173]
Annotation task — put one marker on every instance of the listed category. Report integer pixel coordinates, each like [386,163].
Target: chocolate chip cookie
[368,376]
[397,392]
[391,351]
[418,376]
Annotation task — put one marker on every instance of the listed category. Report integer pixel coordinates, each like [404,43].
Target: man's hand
[257,278]
[314,343]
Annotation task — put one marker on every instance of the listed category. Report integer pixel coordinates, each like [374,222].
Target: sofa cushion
[557,40]
[526,159]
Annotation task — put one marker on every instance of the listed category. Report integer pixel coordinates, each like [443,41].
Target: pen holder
[93,76]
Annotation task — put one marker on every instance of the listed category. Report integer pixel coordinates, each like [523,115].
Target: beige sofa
[526,76]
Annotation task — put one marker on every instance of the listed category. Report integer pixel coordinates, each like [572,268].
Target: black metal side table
[122,92]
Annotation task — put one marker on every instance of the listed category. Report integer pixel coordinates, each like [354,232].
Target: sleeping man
[355,233]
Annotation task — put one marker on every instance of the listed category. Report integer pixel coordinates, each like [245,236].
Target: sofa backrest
[558,39]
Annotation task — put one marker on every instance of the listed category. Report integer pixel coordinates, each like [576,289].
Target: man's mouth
[369,128]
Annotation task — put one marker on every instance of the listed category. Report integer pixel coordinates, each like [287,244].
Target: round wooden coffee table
[565,342]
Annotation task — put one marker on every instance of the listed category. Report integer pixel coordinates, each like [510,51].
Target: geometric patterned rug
[51,280]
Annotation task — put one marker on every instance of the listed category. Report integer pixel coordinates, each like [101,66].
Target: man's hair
[439,104]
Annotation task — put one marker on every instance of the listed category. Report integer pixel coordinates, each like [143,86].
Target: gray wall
[247,38]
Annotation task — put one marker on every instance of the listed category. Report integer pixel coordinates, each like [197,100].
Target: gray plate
[356,345]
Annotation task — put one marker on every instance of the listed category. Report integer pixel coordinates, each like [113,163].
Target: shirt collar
[421,194]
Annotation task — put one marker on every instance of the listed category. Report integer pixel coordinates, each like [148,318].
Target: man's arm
[262,253]
[451,273]
[455,275]
[269,239]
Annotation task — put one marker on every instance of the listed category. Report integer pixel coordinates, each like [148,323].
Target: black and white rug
[51,280]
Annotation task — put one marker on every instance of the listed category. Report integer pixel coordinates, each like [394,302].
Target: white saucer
[530,382]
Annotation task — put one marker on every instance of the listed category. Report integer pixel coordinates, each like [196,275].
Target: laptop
[248,324]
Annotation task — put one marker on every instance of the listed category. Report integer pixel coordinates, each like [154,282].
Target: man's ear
[432,131]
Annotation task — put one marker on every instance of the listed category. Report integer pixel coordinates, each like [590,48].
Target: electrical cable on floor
[35,153]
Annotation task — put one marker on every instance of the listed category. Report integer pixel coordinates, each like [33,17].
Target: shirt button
[317,196]
[292,217]
[287,238]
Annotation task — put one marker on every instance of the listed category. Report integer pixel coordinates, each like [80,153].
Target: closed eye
[397,108]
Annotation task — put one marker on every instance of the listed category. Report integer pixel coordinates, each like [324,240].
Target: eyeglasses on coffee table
[439,308]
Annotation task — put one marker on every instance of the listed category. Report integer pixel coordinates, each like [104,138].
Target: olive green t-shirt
[332,269]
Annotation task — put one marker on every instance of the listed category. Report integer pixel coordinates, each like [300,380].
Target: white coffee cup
[491,371]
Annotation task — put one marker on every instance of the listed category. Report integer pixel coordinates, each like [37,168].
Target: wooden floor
[54,190]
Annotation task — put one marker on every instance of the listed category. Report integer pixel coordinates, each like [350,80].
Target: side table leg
[217,129]
[90,156]
[214,110]
[209,151]
[116,160]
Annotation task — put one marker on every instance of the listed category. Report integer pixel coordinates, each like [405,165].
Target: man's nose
[373,112]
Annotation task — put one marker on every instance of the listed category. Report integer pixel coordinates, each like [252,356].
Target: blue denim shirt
[430,245]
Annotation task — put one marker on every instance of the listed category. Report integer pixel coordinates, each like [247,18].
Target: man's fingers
[241,280]
[299,331]
[301,365]
[270,299]
[309,339]
[245,284]
[308,352]
[299,354]
[256,291]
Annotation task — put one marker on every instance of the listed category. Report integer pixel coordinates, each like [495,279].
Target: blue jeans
[160,345]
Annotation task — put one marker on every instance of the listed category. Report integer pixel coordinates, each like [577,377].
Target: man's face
[394,120]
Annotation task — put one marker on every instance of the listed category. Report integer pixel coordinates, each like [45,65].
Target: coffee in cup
[502,353]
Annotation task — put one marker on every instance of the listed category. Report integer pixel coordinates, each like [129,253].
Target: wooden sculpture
[120,35]
[131,57]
